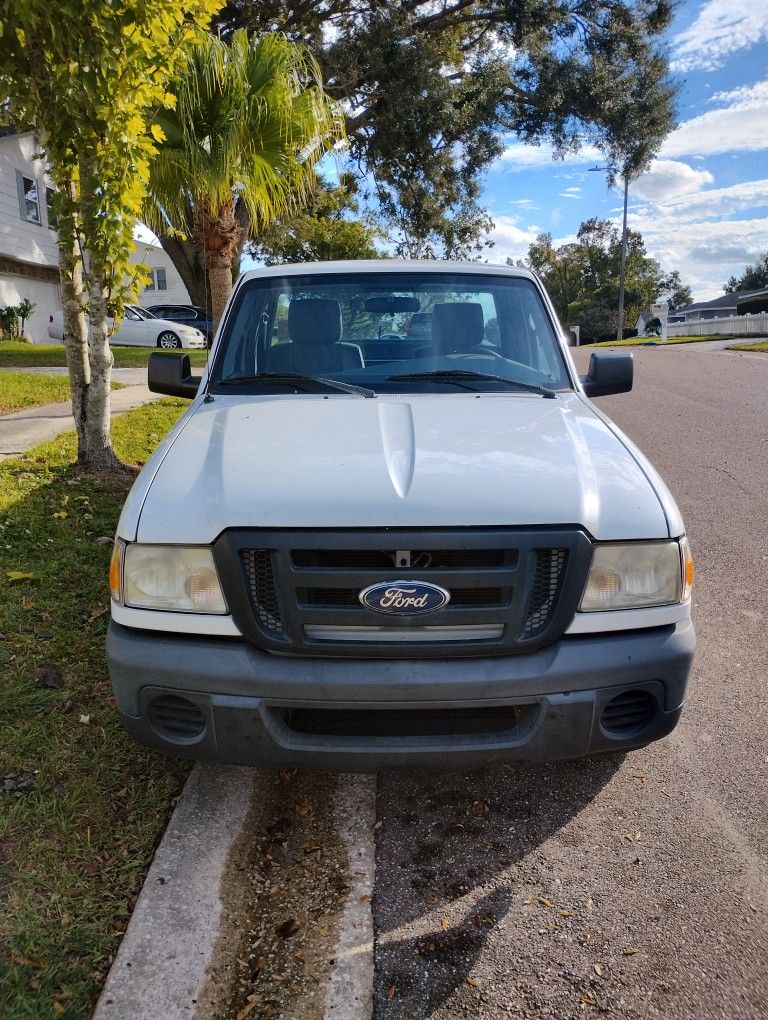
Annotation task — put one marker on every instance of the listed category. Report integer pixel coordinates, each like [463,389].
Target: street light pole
[620,330]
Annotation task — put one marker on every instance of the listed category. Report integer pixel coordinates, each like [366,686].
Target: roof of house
[722,302]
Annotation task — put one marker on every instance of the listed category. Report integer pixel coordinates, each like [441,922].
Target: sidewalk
[24,429]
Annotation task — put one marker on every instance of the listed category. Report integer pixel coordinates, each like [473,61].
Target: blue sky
[703,207]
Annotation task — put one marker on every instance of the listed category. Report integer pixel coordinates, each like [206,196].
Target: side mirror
[609,372]
[171,374]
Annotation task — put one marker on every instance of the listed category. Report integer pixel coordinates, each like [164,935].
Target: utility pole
[620,330]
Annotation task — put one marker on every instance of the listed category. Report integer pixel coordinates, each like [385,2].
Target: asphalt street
[633,886]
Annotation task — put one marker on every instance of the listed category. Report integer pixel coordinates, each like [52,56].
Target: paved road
[633,887]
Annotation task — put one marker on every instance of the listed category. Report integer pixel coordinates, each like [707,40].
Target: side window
[49,210]
[132,316]
[29,198]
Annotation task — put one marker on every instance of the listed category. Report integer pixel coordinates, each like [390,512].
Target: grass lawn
[27,389]
[20,355]
[81,806]
[761,345]
[639,341]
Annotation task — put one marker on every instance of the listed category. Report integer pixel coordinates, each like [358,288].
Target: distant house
[726,304]
[29,261]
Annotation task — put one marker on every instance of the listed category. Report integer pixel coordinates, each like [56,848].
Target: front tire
[169,341]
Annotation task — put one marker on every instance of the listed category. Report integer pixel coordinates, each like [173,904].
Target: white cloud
[509,239]
[569,194]
[668,179]
[722,27]
[748,196]
[523,157]
[738,126]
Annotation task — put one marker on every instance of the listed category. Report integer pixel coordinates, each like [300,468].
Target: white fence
[737,324]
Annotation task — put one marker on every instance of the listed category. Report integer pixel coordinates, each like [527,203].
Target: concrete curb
[162,962]
[349,995]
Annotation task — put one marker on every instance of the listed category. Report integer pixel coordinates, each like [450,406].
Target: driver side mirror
[171,374]
[609,372]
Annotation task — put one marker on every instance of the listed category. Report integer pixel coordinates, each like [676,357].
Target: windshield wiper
[459,377]
[305,383]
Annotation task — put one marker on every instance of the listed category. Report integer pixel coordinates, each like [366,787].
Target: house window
[29,198]
[50,214]
[157,279]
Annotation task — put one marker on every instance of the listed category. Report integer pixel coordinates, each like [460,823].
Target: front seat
[315,348]
[457,328]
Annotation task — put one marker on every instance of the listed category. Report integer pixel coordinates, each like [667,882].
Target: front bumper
[247,699]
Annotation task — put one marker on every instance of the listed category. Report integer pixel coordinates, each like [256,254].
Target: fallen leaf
[366,897]
[445,924]
[598,968]
[473,981]
[287,928]
[531,902]
[587,1000]
[19,575]
[49,675]
[303,809]
[632,837]
[61,514]
[629,952]
[391,991]
[84,719]
[247,1010]
[640,776]
[377,825]
[565,913]
[96,614]
[22,961]
[544,901]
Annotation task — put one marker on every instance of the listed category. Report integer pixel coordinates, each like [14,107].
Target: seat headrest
[314,321]
[457,326]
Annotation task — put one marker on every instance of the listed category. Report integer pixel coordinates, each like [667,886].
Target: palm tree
[250,123]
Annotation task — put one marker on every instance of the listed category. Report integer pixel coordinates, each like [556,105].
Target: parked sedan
[140,328]
[189,315]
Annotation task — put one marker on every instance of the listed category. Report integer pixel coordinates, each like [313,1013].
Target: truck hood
[452,460]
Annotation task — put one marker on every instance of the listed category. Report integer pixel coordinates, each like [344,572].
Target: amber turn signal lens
[685,552]
[115,572]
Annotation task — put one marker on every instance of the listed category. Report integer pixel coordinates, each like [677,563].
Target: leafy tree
[432,89]
[676,293]
[583,277]
[91,77]
[249,123]
[753,278]
[329,228]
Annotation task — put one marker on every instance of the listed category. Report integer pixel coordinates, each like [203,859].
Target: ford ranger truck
[366,545]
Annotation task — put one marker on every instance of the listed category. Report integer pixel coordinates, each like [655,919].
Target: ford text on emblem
[404,598]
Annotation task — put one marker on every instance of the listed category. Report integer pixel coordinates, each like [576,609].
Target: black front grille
[409,722]
[299,591]
[261,581]
[547,581]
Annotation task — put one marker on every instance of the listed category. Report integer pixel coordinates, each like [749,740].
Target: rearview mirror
[171,374]
[391,304]
[609,372]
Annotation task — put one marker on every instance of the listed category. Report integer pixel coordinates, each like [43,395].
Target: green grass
[639,341]
[20,355]
[761,345]
[19,390]
[81,805]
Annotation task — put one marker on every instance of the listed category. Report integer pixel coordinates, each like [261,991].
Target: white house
[29,264]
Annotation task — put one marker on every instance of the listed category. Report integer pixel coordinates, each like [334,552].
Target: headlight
[180,579]
[638,574]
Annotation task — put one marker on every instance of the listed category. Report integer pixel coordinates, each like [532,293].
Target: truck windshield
[391,332]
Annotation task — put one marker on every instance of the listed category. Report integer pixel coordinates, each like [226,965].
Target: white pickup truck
[365,545]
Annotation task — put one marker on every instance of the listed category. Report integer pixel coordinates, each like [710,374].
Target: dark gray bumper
[247,699]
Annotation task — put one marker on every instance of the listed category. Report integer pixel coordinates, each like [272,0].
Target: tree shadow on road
[455,854]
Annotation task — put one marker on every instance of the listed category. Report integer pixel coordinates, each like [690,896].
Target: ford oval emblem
[404,598]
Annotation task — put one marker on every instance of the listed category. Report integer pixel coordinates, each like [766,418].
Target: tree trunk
[220,282]
[95,451]
[75,331]
[189,261]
